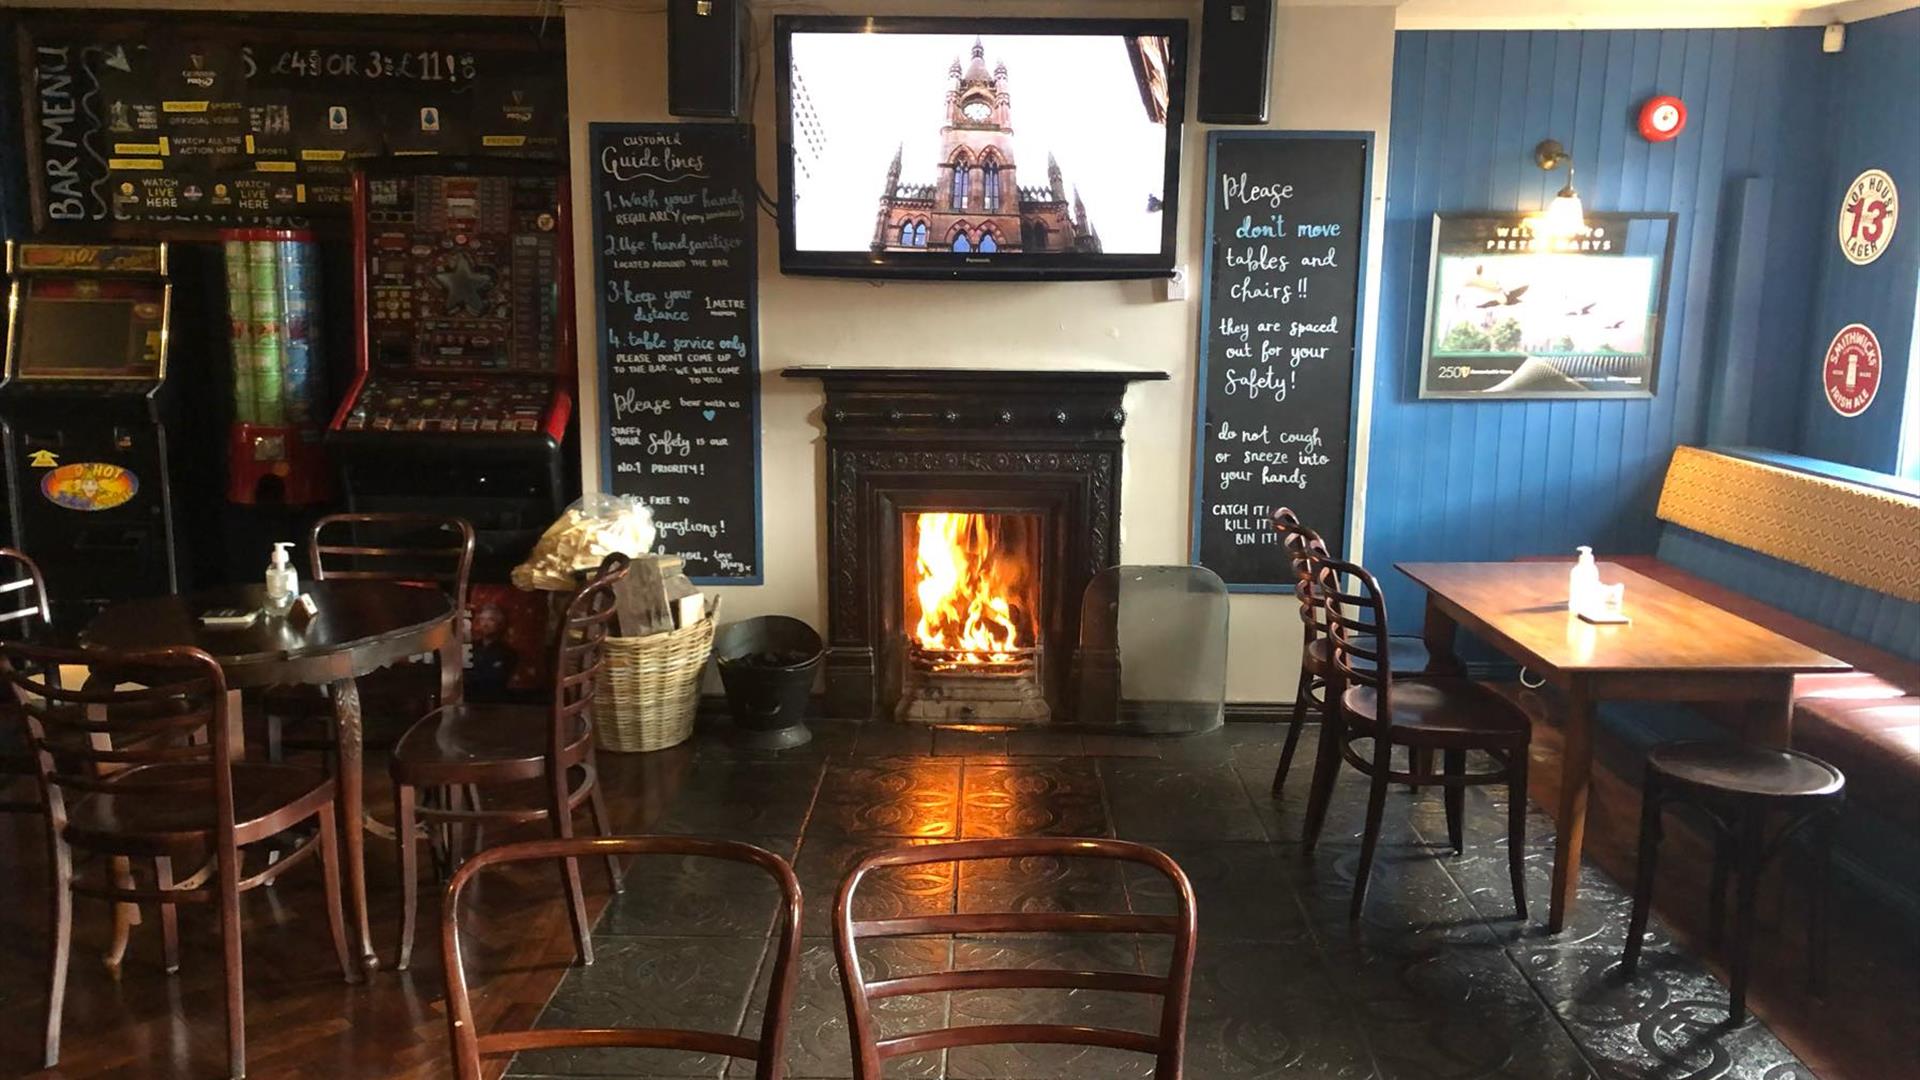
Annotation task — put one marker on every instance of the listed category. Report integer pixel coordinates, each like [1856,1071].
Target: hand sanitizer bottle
[283,581]
[1583,584]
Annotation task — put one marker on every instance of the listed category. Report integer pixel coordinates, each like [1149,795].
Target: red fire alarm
[1662,118]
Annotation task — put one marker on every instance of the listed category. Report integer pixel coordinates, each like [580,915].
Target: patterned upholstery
[1850,532]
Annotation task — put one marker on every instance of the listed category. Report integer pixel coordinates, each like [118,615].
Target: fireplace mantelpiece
[908,439]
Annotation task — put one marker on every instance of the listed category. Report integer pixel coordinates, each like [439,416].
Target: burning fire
[964,593]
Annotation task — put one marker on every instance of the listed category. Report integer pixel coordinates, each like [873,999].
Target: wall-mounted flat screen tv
[990,148]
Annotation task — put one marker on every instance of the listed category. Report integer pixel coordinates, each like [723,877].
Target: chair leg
[169,917]
[1420,763]
[330,877]
[1326,769]
[570,867]
[1643,872]
[404,827]
[1517,829]
[477,832]
[1717,887]
[276,746]
[228,877]
[1302,697]
[602,822]
[62,946]
[1454,763]
[1817,925]
[1376,809]
[1746,894]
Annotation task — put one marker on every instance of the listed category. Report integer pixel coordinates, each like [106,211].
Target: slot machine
[463,382]
[89,494]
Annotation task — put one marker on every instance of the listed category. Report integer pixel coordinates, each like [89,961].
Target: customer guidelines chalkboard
[674,245]
[1278,332]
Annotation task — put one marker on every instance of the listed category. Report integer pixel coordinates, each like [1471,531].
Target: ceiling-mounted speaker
[703,58]
[1236,61]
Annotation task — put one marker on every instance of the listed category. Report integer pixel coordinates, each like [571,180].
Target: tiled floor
[1438,980]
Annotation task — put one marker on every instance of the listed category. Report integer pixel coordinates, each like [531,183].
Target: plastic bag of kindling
[594,527]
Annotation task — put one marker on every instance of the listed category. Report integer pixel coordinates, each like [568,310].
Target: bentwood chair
[412,549]
[1166,1044]
[148,773]
[1449,714]
[482,746]
[24,616]
[1408,654]
[767,1052]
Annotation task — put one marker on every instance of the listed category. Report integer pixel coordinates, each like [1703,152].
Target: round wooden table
[360,626]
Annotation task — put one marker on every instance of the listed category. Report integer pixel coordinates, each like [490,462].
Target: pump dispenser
[283,581]
[1583,584]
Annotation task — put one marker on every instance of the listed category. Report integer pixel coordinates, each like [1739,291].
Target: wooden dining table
[359,626]
[1676,648]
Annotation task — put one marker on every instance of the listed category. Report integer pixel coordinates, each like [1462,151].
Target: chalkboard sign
[1279,327]
[166,125]
[674,224]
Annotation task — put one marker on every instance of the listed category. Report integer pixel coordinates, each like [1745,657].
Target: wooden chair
[1409,655]
[148,773]
[24,616]
[1448,714]
[767,1053]
[412,549]
[1166,1045]
[480,746]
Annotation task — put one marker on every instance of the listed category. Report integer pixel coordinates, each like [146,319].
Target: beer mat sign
[1516,313]
[1280,307]
[1868,214]
[1850,373]
[186,122]
[673,228]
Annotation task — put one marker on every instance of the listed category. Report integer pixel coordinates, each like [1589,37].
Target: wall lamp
[1564,217]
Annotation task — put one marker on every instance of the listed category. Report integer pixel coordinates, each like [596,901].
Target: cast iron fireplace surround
[902,440]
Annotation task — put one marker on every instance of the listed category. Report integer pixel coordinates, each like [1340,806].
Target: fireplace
[967,510]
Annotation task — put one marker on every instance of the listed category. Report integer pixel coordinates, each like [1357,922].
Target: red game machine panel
[464,301]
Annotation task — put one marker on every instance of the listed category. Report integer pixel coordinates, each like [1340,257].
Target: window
[920,234]
[906,234]
[1039,241]
[987,242]
[960,182]
[960,242]
[990,185]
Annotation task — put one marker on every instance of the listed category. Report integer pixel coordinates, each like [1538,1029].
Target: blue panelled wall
[1873,121]
[1466,480]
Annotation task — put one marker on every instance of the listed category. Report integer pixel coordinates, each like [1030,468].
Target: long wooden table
[1677,648]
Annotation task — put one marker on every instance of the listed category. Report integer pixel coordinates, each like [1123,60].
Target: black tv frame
[1010,266]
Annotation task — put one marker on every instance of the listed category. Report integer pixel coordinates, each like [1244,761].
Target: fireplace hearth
[967,510]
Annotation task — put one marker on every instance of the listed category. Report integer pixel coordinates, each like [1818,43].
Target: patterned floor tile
[890,893]
[1033,797]
[1157,800]
[897,796]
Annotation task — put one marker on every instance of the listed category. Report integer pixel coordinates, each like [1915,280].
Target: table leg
[1439,633]
[1570,825]
[1773,717]
[345,694]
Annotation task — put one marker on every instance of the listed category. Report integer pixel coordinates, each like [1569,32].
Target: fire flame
[964,596]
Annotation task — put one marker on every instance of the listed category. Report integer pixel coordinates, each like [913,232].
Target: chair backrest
[1166,1045]
[24,613]
[580,647]
[767,1053]
[1356,613]
[1303,546]
[414,549]
[82,740]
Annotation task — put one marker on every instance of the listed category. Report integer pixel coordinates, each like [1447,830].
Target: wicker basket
[650,688]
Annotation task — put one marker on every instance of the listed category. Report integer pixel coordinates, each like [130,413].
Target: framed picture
[1513,314]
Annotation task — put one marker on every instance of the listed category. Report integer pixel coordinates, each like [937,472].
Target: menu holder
[1280,295]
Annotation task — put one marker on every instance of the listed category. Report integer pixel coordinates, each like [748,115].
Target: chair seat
[1405,655]
[267,799]
[1744,769]
[477,743]
[1441,712]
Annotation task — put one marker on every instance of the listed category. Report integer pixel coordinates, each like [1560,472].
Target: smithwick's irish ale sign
[1850,373]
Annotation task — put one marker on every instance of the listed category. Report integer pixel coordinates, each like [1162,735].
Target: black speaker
[1236,60]
[703,58]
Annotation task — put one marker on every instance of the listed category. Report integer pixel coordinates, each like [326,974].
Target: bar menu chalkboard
[679,361]
[1280,308]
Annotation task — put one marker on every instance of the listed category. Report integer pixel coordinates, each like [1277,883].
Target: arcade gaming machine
[464,380]
[88,492]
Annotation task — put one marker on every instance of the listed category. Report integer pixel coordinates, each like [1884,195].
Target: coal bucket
[767,666]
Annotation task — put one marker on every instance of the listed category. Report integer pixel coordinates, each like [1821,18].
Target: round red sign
[1852,370]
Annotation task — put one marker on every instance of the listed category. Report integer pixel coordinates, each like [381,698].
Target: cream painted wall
[1333,70]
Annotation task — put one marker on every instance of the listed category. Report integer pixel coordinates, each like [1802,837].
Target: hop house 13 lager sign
[1868,215]
[1851,371]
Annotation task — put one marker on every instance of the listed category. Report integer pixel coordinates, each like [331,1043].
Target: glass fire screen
[1153,650]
